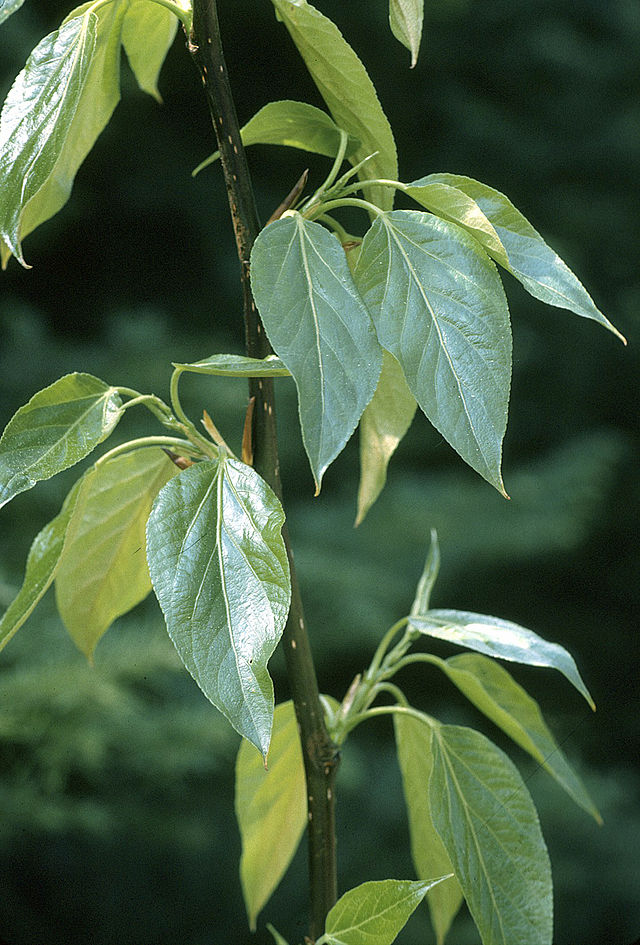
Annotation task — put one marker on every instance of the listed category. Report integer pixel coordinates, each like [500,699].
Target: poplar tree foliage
[408,312]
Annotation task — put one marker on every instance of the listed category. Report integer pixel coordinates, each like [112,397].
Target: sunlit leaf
[147,34]
[405,18]
[7,7]
[236,365]
[427,578]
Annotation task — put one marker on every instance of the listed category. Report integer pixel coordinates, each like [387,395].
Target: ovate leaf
[147,34]
[348,91]
[57,428]
[383,424]
[376,912]
[413,741]
[42,562]
[495,693]
[236,365]
[540,270]
[501,639]
[405,18]
[219,569]
[271,807]
[438,306]
[319,327]
[103,572]
[7,7]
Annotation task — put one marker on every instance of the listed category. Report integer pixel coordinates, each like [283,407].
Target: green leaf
[347,90]
[383,424]
[295,125]
[318,325]
[413,741]
[376,912]
[42,562]
[103,572]
[147,34]
[405,18]
[495,693]
[438,306]
[501,639]
[236,365]
[278,939]
[489,827]
[428,578]
[271,807]
[491,216]
[57,428]
[7,7]
[219,568]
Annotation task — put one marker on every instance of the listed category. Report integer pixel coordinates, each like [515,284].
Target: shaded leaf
[219,569]
[501,639]
[438,306]
[318,325]
[428,578]
[147,34]
[7,7]
[405,18]
[278,939]
[236,365]
[103,572]
[57,428]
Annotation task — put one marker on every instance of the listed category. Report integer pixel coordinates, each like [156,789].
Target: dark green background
[116,795]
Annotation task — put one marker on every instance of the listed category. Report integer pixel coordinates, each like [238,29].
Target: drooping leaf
[219,569]
[375,912]
[382,426]
[319,327]
[489,827]
[42,562]
[413,742]
[271,807]
[489,215]
[147,34]
[405,18]
[427,578]
[347,90]
[438,306]
[494,691]
[103,572]
[57,428]
[501,639]
[7,7]
[236,365]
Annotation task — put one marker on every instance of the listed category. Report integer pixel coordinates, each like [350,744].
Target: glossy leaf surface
[501,639]
[7,7]
[236,365]
[103,572]
[147,34]
[57,428]
[438,306]
[219,569]
[271,807]
[405,19]
[347,90]
[319,327]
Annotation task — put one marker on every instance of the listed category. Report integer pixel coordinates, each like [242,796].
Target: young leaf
[438,306]
[7,7]
[219,569]
[42,562]
[57,428]
[347,90]
[501,639]
[495,693]
[147,34]
[383,424]
[271,807]
[318,325]
[103,572]
[375,912]
[413,742]
[489,827]
[277,938]
[405,19]
[428,578]
[236,365]
[540,270]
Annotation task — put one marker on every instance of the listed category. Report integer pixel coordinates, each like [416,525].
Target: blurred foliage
[116,784]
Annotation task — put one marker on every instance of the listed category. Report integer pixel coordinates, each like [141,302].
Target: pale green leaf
[347,90]
[271,807]
[219,569]
[147,34]
[375,912]
[489,827]
[236,365]
[413,741]
[7,7]
[438,306]
[57,428]
[103,572]
[382,426]
[427,578]
[495,693]
[405,18]
[317,324]
[42,562]
[540,270]
[501,639]
[278,939]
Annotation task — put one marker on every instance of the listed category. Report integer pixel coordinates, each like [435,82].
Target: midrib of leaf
[316,322]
